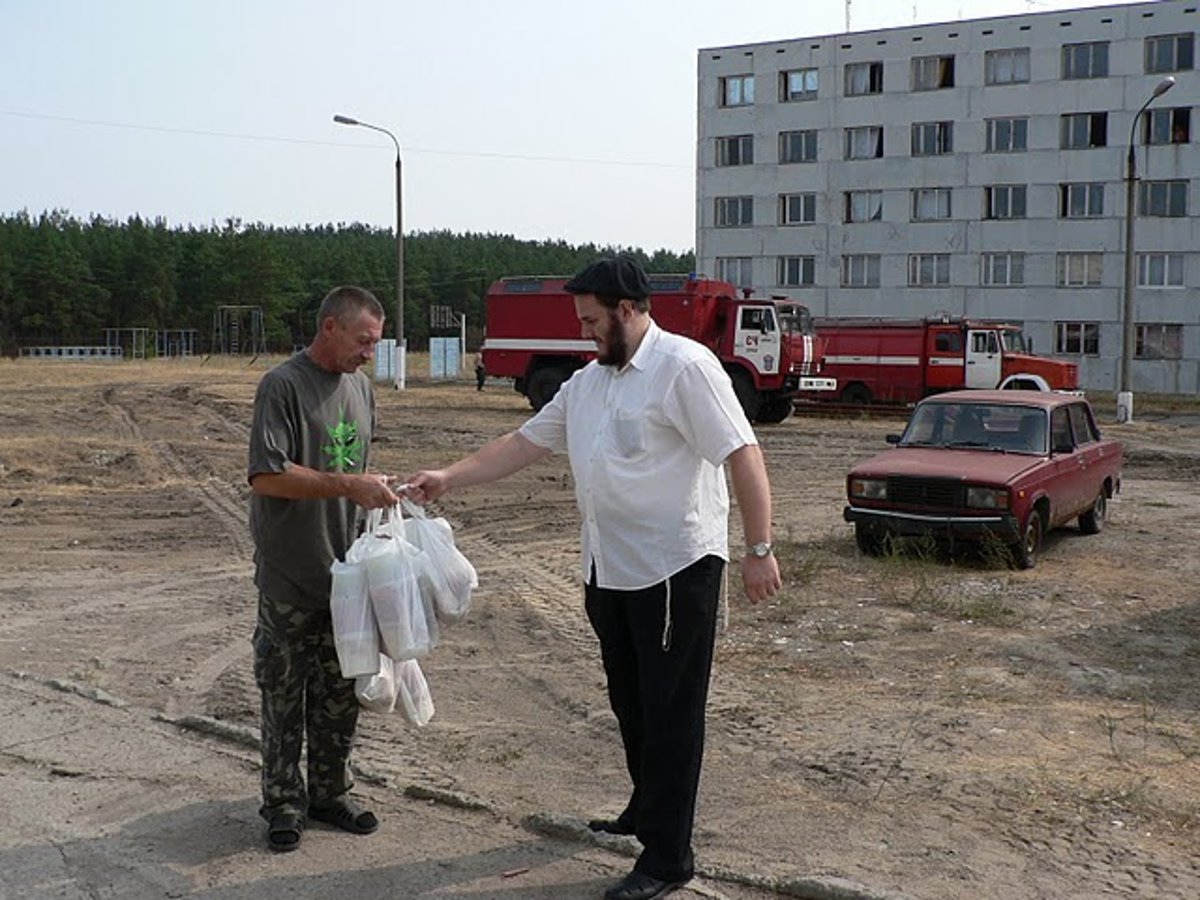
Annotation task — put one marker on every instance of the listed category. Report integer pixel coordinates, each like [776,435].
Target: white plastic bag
[412,690]
[393,566]
[355,634]
[377,692]
[447,575]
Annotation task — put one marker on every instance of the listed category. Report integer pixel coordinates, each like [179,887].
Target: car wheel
[870,540]
[1093,520]
[1026,550]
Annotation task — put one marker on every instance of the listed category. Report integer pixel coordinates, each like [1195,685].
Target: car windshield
[977,426]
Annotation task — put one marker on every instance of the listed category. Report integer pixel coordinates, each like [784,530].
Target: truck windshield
[794,318]
[1014,340]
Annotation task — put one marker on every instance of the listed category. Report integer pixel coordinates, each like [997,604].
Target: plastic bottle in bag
[355,634]
[396,600]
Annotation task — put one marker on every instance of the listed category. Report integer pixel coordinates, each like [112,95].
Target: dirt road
[897,727]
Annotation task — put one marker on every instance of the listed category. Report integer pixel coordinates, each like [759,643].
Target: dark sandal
[345,814]
[284,831]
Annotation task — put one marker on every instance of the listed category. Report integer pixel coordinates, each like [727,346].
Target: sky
[543,119]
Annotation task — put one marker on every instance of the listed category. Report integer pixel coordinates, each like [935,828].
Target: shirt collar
[645,348]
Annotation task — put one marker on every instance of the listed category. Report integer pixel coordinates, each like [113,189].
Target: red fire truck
[767,346]
[902,360]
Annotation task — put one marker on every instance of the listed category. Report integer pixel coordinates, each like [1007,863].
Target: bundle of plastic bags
[399,685]
[447,576]
[398,579]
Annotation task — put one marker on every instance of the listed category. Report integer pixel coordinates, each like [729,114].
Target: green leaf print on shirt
[345,447]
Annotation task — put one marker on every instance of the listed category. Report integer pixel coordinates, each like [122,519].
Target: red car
[1011,464]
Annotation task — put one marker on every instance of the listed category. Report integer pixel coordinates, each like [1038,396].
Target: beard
[616,351]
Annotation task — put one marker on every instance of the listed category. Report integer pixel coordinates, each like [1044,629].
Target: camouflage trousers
[303,696]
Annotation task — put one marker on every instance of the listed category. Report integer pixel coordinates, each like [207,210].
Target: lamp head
[1163,86]
[346,120]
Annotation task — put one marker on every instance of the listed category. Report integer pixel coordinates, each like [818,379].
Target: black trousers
[659,696]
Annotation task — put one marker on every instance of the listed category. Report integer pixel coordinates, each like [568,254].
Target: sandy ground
[896,727]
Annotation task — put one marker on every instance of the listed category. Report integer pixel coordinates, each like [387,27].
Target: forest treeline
[64,281]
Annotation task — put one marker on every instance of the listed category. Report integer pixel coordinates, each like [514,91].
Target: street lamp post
[1125,392]
[400,348]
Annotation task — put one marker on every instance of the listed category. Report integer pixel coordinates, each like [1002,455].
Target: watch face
[760,550]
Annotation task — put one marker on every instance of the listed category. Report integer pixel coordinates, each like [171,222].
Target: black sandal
[284,831]
[345,814]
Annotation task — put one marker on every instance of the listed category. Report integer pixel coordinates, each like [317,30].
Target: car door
[1089,452]
[1066,483]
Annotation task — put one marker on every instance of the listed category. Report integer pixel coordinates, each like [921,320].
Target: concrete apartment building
[974,168]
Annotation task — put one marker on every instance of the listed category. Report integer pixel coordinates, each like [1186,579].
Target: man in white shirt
[648,427]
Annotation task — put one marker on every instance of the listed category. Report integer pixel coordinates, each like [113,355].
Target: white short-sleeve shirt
[646,445]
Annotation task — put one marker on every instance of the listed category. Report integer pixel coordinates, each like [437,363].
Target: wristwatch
[761,550]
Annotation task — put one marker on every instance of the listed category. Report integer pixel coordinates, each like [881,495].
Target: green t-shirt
[322,420]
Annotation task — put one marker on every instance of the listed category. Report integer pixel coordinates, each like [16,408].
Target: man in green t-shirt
[313,419]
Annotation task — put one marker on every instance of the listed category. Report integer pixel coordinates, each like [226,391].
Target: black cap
[620,276]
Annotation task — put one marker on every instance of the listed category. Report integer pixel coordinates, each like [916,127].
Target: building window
[1081,131]
[1088,60]
[1158,342]
[864,78]
[1080,269]
[734,212]
[1167,126]
[864,206]
[865,142]
[1004,201]
[797,146]
[1163,198]
[1008,135]
[1077,338]
[1160,270]
[860,270]
[737,150]
[929,269]
[1169,52]
[797,271]
[932,138]
[1006,66]
[930,204]
[1003,269]
[797,209]
[735,269]
[931,73]
[1081,200]
[798,84]
[737,90]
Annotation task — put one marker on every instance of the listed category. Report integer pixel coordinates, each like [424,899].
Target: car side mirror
[892,438]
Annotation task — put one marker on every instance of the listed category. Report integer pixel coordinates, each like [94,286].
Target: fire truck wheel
[856,394]
[543,385]
[747,394]
[775,410]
